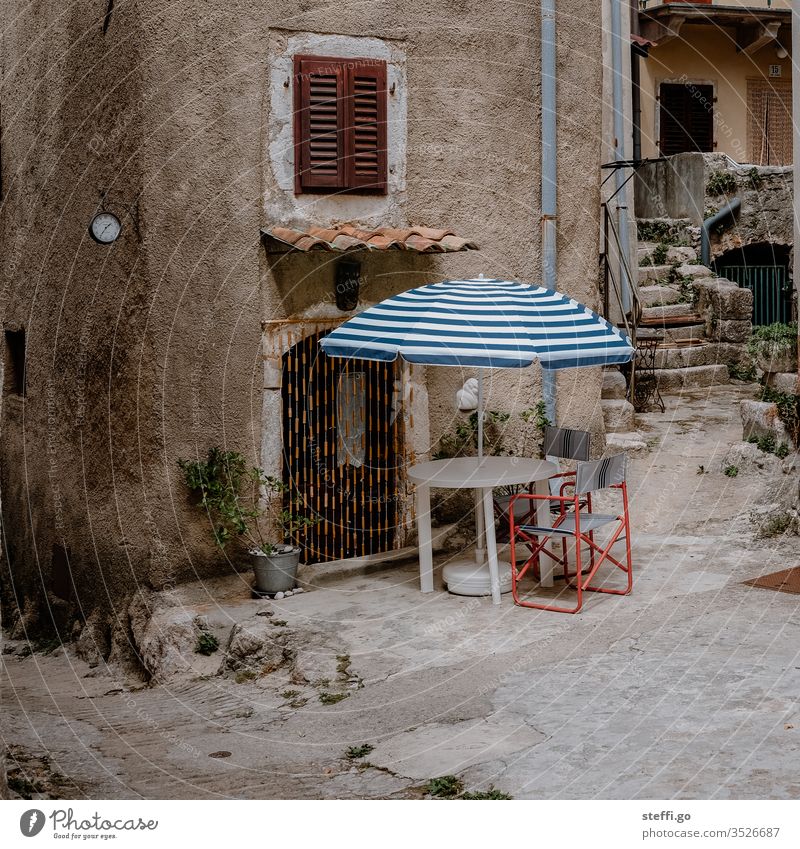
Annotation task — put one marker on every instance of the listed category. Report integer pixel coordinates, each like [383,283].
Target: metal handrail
[630,319]
[636,308]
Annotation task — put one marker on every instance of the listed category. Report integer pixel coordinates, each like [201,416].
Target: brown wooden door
[686,118]
[769,121]
[340,450]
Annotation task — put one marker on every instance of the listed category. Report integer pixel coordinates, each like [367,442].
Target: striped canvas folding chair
[562,443]
[566,444]
[559,442]
[580,524]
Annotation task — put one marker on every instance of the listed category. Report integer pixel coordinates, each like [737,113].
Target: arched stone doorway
[763,268]
[341,436]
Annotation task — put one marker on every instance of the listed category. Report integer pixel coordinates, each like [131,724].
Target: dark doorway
[686,118]
[764,269]
[15,362]
[340,448]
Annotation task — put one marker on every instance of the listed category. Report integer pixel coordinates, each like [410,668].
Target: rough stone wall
[151,349]
[766,215]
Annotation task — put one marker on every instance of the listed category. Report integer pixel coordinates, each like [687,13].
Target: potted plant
[244,503]
[774,348]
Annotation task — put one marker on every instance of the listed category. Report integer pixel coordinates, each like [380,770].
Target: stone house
[185,209]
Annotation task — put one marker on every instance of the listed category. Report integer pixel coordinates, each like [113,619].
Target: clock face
[105,228]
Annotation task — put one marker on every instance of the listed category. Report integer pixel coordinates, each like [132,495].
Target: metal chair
[573,521]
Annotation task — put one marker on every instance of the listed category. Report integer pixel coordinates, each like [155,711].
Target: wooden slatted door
[340,451]
[686,118]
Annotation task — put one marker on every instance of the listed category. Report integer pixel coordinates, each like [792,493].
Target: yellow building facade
[717,77]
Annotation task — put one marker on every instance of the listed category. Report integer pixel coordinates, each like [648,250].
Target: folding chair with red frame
[564,444]
[606,473]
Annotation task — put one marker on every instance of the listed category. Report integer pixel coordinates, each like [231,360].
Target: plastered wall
[153,349]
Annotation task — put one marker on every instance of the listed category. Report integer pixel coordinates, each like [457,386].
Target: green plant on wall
[742,371]
[788,405]
[463,440]
[538,415]
[656,230]
[241,500]
[721,183]
[754,179]
[771,339]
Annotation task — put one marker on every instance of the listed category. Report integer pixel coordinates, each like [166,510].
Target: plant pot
[777,360]
[275,573]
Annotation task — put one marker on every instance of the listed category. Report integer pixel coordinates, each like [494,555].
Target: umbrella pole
[480,413]
[480,547]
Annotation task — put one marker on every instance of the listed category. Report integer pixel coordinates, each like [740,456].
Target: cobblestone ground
[687,688]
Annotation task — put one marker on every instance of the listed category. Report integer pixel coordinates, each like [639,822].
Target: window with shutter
[686,118]
[340,125]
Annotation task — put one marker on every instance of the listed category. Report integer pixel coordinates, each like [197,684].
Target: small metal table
[645,387]
[481,474]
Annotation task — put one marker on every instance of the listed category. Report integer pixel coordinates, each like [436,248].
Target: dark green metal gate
[772,294]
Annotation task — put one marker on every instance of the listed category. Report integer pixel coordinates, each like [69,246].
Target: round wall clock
[105,228]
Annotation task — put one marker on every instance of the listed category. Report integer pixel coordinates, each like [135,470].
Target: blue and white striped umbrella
[483,323]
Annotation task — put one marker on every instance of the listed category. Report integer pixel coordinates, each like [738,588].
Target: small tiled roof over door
[347,237]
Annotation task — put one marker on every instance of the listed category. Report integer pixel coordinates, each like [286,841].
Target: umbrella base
[466,577]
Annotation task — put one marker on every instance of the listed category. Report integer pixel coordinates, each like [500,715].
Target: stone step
[652,273]
[704,354]
[682,254]
[694,271]
[674,254]
[694,377]
[657,296]
[684,356]
[617,415]
[644,250]
[684,333]
[759,419]
[680,313]
[614,385]
[785,382]
[630,443]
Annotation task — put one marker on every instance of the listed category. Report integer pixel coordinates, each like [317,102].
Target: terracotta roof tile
[348,237]
[418,243]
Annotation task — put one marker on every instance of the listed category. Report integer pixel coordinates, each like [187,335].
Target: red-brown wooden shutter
[366,125]
[340,124]
[319,124]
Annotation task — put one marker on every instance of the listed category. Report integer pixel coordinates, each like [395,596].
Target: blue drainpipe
[549,176]
[730,209]
[618,106]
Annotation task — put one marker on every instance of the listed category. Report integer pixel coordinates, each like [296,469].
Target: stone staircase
[701,320]
[686,357]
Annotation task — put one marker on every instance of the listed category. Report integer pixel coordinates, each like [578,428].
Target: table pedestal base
[466,577]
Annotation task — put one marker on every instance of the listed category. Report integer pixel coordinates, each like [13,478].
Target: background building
[717,78]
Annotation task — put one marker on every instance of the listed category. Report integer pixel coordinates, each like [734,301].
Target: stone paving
[688,688]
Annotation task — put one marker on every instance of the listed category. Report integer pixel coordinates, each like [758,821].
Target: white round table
[482,475]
